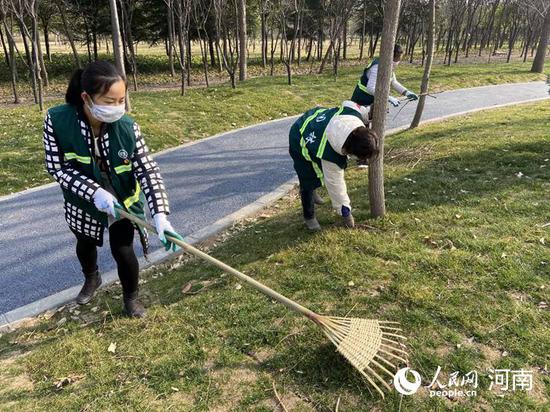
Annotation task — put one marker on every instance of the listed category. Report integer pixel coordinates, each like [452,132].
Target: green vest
[313,137]
[122,144]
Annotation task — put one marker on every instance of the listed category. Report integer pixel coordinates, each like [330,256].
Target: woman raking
[97,155]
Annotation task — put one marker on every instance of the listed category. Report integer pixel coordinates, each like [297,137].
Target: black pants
[121,239]
[308,206]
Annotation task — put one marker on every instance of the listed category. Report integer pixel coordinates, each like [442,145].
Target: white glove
[393,101]
[163,225]
[105,202]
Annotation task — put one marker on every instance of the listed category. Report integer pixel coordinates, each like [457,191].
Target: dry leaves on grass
[67,380]
[112,347]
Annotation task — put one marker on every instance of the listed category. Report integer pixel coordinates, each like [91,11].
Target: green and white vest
[75,148]
[312,141]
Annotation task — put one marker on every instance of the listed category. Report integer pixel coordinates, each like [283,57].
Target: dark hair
[397,49]
[362,142]
[96,78]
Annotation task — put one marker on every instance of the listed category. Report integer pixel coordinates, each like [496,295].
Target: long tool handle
[254,283]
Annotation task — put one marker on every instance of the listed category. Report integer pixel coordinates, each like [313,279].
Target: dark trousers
[308,205]
[121,239]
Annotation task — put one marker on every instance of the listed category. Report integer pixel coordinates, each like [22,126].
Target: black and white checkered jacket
[143,166]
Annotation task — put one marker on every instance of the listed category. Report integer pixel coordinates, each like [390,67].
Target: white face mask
[106,113]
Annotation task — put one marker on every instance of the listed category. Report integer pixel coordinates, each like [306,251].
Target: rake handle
[226,268]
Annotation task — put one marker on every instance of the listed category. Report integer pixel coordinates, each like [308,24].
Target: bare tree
[22,9]
[427,68]
[285,9]
[201,11]
[376,165]
[242,39]
[225,12]
[171,35]
[182,12]
[61,6]
[538,63]
[117,45]
[127,11]
[339,12]
[12,47]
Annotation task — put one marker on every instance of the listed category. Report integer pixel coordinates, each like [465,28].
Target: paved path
[206,181]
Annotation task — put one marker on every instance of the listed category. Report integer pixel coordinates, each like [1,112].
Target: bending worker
[320,142]
[365,89]
[98,156]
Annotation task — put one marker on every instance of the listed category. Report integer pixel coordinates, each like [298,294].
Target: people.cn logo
[403,385]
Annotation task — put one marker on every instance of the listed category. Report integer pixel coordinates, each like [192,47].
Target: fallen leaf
[186,288]
[429,241]
[62,382]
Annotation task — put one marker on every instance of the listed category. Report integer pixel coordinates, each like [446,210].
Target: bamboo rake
[373,347]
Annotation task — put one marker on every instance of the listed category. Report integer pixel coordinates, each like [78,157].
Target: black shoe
[92,282]
[132,306]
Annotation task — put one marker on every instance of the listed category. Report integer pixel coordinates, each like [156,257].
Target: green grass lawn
[461,260]
[167,119]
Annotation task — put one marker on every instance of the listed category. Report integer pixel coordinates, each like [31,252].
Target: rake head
[373,347]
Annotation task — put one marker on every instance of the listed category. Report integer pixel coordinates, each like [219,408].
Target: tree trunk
[69,35]
[376,164]
[26,45]
[117,45]
[263,32]
[13,63]
[188,71]
[427,69]
[94,41]
[363,28]
[344,42]
[47,40]
[43,72]
[37,59]
[242,40]
[6,54]
[170,40]
[538,63]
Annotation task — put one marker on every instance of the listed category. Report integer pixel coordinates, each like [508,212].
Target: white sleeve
[398,87]
[371,74]
[336,185]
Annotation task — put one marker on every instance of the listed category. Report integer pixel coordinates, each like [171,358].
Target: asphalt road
[206,181]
